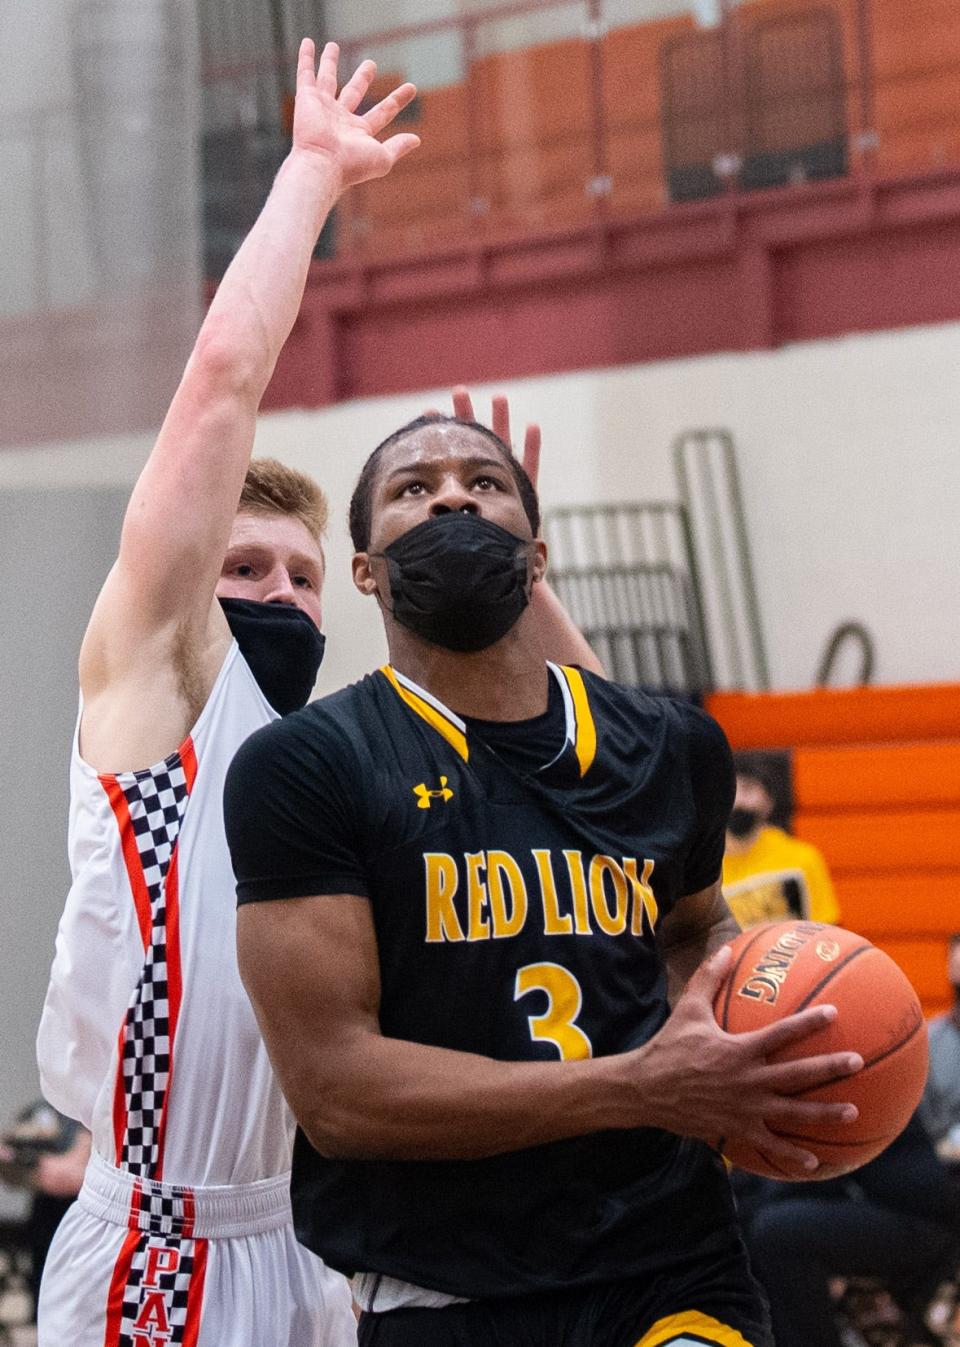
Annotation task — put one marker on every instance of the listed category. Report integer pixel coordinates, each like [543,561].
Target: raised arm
[310,966]
[160,592]
[562,640]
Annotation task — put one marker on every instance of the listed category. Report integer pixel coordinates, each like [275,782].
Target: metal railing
[536,113]
[664,591]
[709,482]
[627,576]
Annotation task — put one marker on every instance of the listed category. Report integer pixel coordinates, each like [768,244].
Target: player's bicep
[697,916]
[697,926]
[311,970]
[291,822]
[306,943]
[711,779]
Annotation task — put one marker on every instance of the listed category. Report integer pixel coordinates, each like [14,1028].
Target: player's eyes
[412,489]
[303,582]
[243,570]
[487,483]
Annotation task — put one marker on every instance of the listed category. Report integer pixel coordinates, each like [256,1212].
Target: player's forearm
[696,927]
[406,1101]
[683,955]
[372,1098]
[258,300]
[186,498]
[384,1099]
[562,640]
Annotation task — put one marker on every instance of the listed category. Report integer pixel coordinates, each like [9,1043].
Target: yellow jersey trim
[431,711]
[585,731]
[694,1328]
[581,731]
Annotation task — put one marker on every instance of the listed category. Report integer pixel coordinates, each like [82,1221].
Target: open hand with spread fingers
[702,1082]
[500,425]
[327,123]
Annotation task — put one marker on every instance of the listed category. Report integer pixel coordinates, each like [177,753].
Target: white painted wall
[848,453]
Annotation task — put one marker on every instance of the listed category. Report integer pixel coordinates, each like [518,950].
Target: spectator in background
[46,1153]
[897,1220]
[769,875]
[940,1106]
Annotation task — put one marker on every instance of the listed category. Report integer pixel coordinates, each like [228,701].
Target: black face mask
[458,581]
[742,822]
[282,646]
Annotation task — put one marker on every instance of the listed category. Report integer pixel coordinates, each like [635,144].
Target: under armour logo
[424,796]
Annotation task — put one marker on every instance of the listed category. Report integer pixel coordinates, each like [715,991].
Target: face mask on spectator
[742,822]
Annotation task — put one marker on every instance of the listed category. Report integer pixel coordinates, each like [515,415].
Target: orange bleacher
[425,200]
[916,54]
[534,131]
[631,73]
[514,144]
[876,778]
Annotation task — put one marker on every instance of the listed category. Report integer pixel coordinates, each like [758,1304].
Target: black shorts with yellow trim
[701,1310]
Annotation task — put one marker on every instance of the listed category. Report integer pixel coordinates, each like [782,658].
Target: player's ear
[362,574]
[538,560]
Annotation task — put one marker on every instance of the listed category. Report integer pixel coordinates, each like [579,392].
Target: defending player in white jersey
[182,1233]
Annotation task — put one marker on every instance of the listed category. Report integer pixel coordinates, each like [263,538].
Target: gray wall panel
[56,547]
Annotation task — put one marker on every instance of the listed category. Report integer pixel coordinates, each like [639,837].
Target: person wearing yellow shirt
[769,875]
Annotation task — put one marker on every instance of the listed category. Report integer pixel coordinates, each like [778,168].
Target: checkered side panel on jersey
[161,1293]
[162,1208]
[156,800]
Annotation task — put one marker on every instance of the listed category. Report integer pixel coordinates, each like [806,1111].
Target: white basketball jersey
[147,1036]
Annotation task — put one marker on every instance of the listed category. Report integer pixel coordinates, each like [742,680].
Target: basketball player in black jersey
[471,887]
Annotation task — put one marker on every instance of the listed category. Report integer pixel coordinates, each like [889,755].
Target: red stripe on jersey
[136,1202]
[141,903]
[187,758]
[188,761]
[119,1098]
[174,990]
[131,856]
[118,1283]
[195,1294]
[189,1213]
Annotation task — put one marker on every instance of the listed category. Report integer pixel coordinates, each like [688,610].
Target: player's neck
[507,681]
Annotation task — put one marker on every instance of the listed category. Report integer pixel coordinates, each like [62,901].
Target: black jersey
[516,914]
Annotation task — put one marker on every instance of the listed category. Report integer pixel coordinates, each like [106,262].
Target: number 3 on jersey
[564,1000]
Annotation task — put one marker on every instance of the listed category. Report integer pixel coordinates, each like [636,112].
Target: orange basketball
[785,966]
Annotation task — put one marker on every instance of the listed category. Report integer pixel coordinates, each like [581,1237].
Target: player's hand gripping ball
[785,966]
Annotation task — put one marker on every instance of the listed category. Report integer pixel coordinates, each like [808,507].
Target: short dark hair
[760,767]
[361,502]
[773,769]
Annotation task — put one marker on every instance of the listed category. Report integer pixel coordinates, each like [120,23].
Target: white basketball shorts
[142,1264]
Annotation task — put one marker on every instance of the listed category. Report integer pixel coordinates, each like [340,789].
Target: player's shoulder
[650,710]
[324,731]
